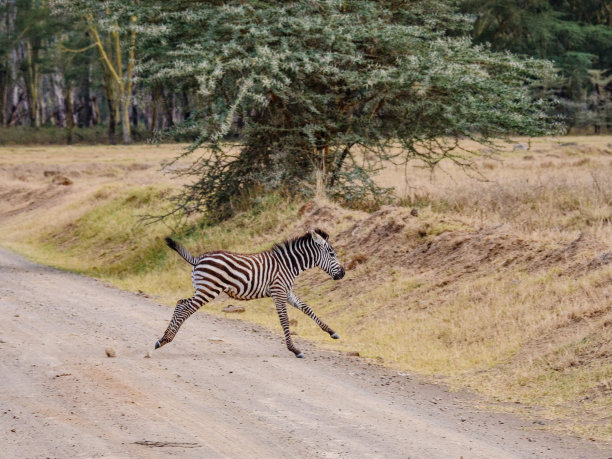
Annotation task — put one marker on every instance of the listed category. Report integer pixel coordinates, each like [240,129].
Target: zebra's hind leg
[280,301]
[184,308]
[295,301]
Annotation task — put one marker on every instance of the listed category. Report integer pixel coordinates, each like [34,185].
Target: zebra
[259,275]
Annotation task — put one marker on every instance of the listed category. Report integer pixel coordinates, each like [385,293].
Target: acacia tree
[320,85]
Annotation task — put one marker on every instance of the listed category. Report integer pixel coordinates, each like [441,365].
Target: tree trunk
[69,113]
[125,119]
[60,109]
[156,93]
[3,94]
[167,101]
[14,116]
[597,103]
[153,124]
[42,103]
[110,100]
[339,165]
[111,123]
[31,77]
[5,73]
[95,111]
[85,112]
[185,101]
[134,114]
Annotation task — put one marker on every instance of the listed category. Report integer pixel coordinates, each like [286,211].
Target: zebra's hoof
[335,336]
[157,345]
[300,355]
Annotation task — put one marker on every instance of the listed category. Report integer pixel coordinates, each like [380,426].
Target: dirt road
[221,389]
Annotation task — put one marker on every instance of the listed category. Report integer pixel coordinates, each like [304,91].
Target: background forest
[63,68]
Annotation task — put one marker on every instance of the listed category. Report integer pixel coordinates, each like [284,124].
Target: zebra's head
[327,259]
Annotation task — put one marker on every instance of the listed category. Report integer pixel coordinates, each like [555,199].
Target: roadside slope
[505,285]
[223,388]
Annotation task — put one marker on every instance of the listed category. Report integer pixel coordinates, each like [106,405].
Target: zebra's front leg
[295,301]
[184,308]
[280,301]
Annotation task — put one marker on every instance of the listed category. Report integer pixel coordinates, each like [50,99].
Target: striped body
[246,277]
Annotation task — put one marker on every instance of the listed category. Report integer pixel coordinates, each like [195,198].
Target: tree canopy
[320,85]
[575,34]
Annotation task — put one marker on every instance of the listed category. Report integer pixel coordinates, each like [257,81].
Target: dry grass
[503,285]
[565,185]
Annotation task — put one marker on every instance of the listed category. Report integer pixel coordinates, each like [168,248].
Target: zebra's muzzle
[339,275]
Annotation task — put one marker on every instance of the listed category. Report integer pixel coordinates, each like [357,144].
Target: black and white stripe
[266,274]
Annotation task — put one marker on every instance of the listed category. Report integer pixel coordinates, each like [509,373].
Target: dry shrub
[61,180]
[581,162]
[356,260]
[306,208]
[488,165]
[548,202]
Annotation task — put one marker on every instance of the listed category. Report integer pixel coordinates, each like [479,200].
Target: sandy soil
[221,389]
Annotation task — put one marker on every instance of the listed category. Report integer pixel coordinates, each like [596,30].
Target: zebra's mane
[303,237]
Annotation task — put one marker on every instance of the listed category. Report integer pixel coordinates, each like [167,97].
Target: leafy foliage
[355,188]
[322,85]
[575,34]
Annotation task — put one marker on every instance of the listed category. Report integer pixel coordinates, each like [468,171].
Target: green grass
[110,240]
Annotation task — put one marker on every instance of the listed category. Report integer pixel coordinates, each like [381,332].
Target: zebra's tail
[182,251]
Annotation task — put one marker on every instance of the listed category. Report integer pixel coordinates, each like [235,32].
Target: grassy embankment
[502,286]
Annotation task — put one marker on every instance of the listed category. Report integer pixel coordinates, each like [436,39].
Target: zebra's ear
[317,238]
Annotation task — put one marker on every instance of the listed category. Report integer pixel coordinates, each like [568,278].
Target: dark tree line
[78,63]
[78,70]
[575,34]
